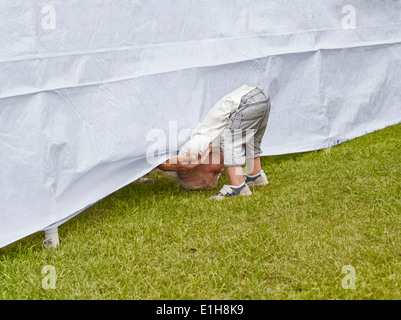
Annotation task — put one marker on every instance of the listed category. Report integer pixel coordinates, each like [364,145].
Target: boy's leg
[251,119]
[234,159]
[238,186]
[254,150]
[254,166]
[256,176]
[234,152]
[236,175]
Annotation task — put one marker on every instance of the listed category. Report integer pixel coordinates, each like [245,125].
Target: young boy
[232,132]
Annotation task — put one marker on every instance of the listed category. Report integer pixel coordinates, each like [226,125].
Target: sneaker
[231,191]
[258,180]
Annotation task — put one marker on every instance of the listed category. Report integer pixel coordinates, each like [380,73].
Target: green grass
[323,210]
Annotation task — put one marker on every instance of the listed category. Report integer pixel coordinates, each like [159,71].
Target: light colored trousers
[242,137]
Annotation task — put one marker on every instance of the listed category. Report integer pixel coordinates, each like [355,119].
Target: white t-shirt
[211,128]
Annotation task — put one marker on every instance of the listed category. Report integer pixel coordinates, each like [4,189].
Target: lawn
[323,211]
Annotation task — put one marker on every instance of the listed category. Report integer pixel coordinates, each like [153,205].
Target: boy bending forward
[230,136]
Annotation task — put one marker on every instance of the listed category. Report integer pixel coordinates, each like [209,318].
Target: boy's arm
[172,164]
[210,128]
[183,162]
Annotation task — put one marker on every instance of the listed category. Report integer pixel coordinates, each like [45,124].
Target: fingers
[195,159]
[205,156]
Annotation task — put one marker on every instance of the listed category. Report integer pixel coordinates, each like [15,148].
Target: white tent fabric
[87,88]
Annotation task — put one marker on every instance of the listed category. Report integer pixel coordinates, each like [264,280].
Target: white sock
[240,186]
[255,174]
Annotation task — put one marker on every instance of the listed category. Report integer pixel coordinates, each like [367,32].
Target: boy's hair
[193,180]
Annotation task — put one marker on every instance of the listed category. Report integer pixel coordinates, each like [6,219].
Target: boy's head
[202,177]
